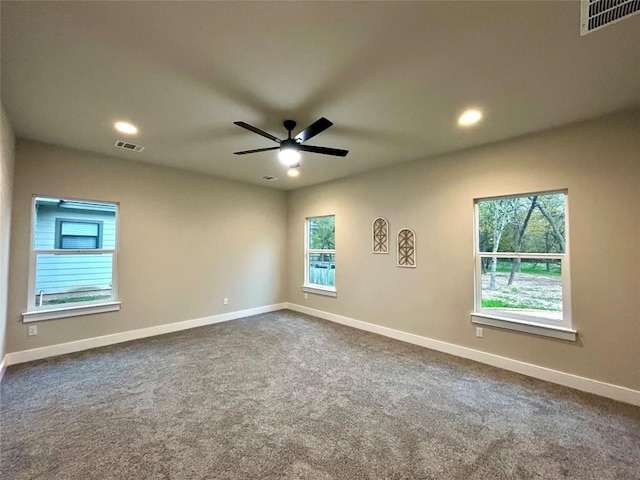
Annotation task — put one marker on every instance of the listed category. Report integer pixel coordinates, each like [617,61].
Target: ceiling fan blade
[324,150]
[258,131]
[312,130]
[256,150]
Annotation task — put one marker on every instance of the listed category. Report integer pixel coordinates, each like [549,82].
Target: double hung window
[73,258]
[522,264]
[320,255]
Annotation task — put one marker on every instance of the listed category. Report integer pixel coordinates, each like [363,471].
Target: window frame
[562,329]
[309,287]
[36,313]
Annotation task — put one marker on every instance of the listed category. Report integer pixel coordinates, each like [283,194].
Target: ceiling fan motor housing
[289,125]
[289,143]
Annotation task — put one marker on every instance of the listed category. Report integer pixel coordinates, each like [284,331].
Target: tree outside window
[522,257]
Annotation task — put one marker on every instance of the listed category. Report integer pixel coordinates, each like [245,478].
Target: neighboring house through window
[73,259]
[522,264]
[320,255]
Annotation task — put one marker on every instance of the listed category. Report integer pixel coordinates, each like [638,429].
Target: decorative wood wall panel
[380,235]
[406,248]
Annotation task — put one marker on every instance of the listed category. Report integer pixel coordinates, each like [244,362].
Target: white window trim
[35,313]
[320,290]
[562,329]
[308,287]
[76,310]
[523,326]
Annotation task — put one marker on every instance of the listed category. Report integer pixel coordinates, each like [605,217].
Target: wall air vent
[595,14]
[269,178]
[131,146]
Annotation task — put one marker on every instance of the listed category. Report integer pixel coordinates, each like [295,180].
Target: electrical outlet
[33,330]
[306,295]
[479,332]
[225,301]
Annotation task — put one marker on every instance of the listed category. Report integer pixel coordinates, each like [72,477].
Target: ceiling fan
[290,148]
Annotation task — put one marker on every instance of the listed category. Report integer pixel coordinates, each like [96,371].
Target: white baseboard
[584,384]
[86,344]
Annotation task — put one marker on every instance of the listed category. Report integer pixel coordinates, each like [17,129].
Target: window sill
[561,333]
[319,290]
[54,313]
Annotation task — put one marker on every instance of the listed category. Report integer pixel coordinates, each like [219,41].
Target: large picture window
[522,261]
[320,255]
[73,258]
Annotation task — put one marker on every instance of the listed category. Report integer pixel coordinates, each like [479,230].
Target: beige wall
[6,189]
[598,162]
[186,241]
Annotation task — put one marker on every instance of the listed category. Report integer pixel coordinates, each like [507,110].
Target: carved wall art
[380,235]
[406,248]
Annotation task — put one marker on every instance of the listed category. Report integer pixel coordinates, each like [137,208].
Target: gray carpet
[287,396]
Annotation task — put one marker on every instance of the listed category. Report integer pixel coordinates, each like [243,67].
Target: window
[320,255]
[72,234]
[522,264]
[73,259]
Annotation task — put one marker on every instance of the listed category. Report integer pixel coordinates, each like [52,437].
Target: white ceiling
[392,76]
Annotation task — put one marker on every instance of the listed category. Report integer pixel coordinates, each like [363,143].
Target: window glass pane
[67,279]
[322,269]
[529,224]
[523,286]
[322,232]
[56,217]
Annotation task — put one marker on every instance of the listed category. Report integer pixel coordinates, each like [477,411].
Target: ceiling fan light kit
[290,148]
[289,154]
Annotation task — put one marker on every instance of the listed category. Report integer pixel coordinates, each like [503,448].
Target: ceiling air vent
[131,146]
[268,178]
[595,14]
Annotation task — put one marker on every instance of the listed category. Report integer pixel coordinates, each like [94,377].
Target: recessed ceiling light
[293,172]
[126,128]
[470,117]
